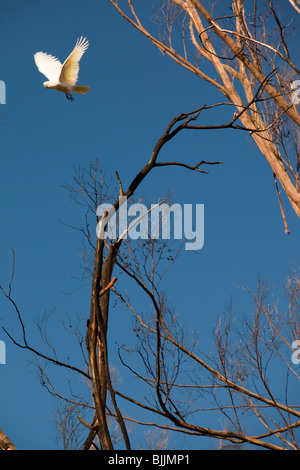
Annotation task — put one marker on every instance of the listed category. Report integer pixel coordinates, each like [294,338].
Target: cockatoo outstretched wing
[70,68]
[48,65]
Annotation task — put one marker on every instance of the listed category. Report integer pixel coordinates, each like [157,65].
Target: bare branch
[5,442]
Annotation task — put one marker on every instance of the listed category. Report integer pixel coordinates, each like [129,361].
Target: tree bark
[5,442]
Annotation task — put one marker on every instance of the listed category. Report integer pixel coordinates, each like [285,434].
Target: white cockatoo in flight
[63,77]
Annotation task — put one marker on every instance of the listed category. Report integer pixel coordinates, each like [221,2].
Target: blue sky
[135,92]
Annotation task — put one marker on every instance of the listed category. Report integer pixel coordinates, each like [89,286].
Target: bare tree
[89,193]
[182,382]
[233,384]
[247,45]
[247,383]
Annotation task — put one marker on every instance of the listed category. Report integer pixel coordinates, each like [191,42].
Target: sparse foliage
[239,48]
[233,387]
